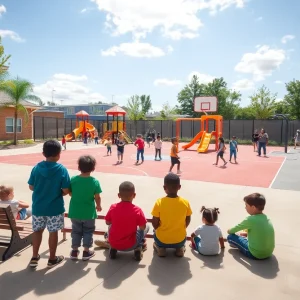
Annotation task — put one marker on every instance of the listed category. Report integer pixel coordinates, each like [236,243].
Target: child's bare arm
[65,192]
[142,227]
[98,202]
[108,223]
[31,187]
[222,244]
[187,221]
[155,222]
[23,204]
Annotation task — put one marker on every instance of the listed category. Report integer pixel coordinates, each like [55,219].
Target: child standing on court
[174,157]
[233,146]
[220,152]
[171,216]
[63,142]
[260,243]
[127,224]
[19,208]
[49,182]
[208,238]
[108,146]
[158,146]
[120,148]
[85,192]
[140,144]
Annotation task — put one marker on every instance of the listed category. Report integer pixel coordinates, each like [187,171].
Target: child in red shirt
[140,144]
[127,224]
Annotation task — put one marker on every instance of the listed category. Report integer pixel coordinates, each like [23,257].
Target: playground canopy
[82,113]
[116,111]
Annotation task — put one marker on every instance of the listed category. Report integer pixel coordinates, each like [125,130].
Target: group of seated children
[127,225]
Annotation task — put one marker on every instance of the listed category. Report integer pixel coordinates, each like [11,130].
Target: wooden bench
[101,232]
[21,232]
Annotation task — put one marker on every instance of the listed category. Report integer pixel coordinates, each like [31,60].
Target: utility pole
[53,90]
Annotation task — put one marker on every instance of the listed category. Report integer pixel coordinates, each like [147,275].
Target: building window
[70,110]
[9,124]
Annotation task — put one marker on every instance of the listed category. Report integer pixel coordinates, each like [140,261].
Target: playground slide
[194,140]
[126,137]
[204,144]
[77,131]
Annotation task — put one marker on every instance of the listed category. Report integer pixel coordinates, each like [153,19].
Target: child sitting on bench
[127,225]
[19,208]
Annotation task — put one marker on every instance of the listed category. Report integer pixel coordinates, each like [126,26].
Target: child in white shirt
[208,238]
[158,145]
[19,208]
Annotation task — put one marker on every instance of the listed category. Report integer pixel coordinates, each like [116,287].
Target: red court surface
[251,170]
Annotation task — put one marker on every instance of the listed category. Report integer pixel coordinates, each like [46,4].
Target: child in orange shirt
[174,157]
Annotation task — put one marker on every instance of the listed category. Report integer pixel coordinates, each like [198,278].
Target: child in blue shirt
[233,146]
[49,182]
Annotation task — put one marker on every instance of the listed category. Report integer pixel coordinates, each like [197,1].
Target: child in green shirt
[85,191]
[259,241]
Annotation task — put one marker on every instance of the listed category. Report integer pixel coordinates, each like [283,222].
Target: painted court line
[270,186]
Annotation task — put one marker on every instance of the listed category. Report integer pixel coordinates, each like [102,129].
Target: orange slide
[79,130]
[194,140]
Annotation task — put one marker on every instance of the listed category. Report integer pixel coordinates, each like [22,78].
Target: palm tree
[17,91]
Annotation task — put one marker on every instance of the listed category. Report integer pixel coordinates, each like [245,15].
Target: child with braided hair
[207,239]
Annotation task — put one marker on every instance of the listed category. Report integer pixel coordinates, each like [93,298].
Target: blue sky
[90,50]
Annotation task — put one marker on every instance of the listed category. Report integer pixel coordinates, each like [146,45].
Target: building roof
[4,98]
[116,110]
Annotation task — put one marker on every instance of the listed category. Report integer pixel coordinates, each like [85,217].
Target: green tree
[244,113]
[146,104]
[292,98]
[281,107]
[187,95]
[3,63]
[168,112]
[134,108]
[18,90]
[263,103]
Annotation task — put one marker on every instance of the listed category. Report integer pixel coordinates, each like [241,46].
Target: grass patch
[28,142]
[6,143]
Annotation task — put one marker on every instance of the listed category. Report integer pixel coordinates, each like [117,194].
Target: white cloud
[12,35]
[243,84]
[166,82]
[2,10]
[258,19]
[203,78]
[262,63]
[68,77]
[136,49]
[287,38]
[68,88]
[278,82]
[175,18]
[83,10]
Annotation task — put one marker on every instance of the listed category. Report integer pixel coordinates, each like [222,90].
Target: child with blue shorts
[233,146]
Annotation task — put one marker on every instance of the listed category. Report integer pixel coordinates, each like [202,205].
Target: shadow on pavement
[267,268]
[160,269]
[210,261]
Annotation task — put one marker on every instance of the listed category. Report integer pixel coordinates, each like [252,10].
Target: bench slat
[9,228]
[4,221]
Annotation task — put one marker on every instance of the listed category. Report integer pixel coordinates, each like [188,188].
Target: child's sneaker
[74,254]
[102,244]
[88,254]
[180,251]
[54,262]
[138,253]
[179,172]
[34,262]
[161,252]
[112,253]
[137,162]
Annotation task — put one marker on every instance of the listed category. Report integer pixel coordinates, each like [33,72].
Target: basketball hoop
[205,104]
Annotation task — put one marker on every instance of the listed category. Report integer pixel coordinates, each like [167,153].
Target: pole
[286,135]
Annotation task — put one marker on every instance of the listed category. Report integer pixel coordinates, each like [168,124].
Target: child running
[140,144]
[233,146]
[158,146]
[174,157]
[19,208]
[85,192]
[64,143]
[49,182]
[171,216]
[108,146]
[220,152]
[208,238]
[120,148]
[127,225]
[260,243]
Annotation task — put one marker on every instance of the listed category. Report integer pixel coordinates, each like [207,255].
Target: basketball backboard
[205,104]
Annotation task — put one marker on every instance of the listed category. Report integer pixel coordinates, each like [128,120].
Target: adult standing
[263,139]
[255,139]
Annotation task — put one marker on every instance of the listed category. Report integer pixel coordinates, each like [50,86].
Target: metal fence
[46,128]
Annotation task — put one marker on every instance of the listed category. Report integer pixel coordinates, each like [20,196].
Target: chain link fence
[47,128]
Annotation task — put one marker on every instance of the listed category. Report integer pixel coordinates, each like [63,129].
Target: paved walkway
[228,276]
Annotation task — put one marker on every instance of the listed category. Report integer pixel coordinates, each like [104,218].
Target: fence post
[43,128]
[161,126]
[34,128]
[229,129]
[281,132]
[65,126]
[180,130]
[57,128]
[172,129]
